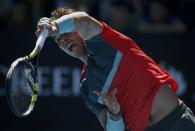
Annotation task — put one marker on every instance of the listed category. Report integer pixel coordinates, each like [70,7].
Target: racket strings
[17,100]
[22,87]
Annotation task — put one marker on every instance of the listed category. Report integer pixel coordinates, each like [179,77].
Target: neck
[84,59]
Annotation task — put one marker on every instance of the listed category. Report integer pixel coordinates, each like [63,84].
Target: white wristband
[114,117]
[112,125]
[65,24]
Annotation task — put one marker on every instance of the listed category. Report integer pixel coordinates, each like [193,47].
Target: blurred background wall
[164,29]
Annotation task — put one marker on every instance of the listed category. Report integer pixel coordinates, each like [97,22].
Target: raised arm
[80,22]
[85,25]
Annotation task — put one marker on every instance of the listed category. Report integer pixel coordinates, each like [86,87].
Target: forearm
[103,118]
[82,23]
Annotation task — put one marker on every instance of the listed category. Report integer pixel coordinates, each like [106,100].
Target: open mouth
[71,46]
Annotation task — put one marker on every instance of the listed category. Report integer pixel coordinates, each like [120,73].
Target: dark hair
[57,13]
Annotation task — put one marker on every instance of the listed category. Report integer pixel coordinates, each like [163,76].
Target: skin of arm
[85,25]
[112,107]
[103,118]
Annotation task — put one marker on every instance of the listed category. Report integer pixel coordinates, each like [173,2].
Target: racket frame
[33,56]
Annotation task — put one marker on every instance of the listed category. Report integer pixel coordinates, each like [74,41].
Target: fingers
[46,19]
[40,27]
[45,23]
[39,30]
[37,33]
[114,92]
[102,95]
[105,98]
[109,101]
[97,93]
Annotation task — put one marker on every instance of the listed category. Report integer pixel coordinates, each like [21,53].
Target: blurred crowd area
[135,16]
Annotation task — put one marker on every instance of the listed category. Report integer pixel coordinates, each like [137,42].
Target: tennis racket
[22,80]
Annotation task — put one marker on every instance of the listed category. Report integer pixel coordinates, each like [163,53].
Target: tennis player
[123,86]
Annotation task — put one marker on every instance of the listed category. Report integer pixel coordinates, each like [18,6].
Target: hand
[46,22]
[110,101]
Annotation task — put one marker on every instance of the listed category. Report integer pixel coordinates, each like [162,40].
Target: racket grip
[40,42]
[41,39]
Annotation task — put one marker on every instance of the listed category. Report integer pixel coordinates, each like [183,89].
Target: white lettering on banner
[61,81]
[45,80]
[53,81]
[76,81]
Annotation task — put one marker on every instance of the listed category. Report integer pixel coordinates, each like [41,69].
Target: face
[71,43]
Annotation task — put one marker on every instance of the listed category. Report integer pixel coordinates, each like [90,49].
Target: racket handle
[40,42]
[41,39]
